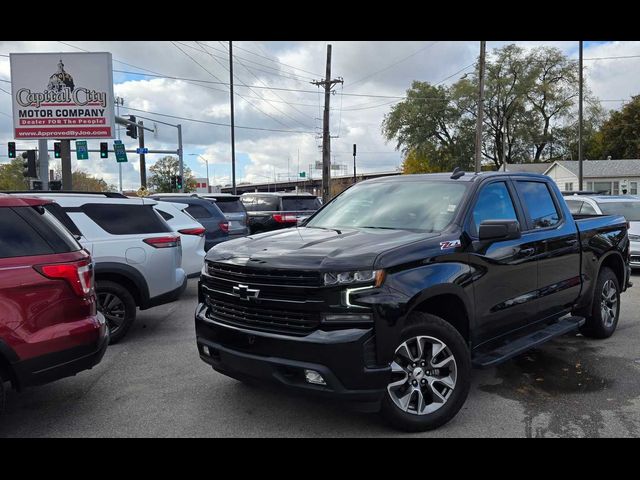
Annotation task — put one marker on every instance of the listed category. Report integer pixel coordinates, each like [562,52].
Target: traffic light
[178,182]
[132,129]
[104,150]
[12,149]
[173,182]
[29,164]
[56,149]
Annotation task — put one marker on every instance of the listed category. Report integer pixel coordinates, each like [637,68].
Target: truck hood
[314,248]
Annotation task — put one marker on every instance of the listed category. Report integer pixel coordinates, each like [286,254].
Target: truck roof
[446,176]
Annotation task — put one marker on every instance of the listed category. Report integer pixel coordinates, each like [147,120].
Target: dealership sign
[62,95]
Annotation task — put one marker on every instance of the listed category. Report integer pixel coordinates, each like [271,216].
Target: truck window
[537,199]
[574,206]
[588,210]
[494,203]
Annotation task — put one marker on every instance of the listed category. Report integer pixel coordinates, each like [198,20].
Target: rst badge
[449,244]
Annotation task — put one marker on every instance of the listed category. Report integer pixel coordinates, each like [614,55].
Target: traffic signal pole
[43,157]
[143,162]
[65,157]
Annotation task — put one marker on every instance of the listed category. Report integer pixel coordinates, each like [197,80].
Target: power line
[278,61]
[393,64]
[217,123]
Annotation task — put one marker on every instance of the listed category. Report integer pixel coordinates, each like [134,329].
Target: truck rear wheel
[431,373]
[606,306]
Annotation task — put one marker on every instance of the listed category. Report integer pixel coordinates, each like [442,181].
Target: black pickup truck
[390,293]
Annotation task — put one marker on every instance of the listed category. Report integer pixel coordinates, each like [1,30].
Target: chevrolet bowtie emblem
[245,293]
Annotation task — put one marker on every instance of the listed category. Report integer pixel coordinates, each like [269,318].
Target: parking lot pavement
[153,384]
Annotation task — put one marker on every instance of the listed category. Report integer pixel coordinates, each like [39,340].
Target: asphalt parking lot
[153,384]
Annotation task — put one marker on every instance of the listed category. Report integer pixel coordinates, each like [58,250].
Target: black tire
[601,323]
[426,325]
[118,306]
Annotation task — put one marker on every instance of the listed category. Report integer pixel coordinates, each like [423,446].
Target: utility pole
[143,162]
[580,123]
[327,83]
[233,133]
[354,163]
[181,156]
[65,160]
[480,107]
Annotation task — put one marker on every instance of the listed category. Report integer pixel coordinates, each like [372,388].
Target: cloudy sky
[277,103]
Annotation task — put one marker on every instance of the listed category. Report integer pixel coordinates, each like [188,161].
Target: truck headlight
[358,276]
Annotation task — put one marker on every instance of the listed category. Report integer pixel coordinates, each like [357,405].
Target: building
[201,186]
[611,176]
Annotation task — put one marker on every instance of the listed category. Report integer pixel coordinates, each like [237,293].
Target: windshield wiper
[327,228]
[385,228]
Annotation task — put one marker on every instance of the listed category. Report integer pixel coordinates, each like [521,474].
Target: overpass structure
[310,185]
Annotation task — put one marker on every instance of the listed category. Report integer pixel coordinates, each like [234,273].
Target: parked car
[136,253]
[191,235]
[625,205]
[49,325]
[206,213]
[233,210]
[272,211]
[391,292]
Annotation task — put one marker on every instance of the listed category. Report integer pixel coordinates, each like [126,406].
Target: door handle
[527,252]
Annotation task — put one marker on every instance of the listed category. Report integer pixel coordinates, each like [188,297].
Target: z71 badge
[449,244]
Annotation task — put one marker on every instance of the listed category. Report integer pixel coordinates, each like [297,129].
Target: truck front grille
[263,276]
[257,317]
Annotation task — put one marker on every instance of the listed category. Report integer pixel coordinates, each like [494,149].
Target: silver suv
[137,255]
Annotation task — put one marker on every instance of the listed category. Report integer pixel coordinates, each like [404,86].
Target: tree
[11,177]
[620,134]
[530,104]
[164,169]
[418,161]
[83,181]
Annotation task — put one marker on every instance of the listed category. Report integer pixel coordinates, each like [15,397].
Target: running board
[520,345]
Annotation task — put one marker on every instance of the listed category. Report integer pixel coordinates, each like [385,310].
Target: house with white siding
[611,176]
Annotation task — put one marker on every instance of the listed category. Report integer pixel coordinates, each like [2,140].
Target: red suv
[49,325]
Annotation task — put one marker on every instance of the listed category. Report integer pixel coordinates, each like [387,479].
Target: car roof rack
[75,192]
[582,192]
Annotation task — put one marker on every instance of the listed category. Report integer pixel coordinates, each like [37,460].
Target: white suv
[137,255]
[191,233]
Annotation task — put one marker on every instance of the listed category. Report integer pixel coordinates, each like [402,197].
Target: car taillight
[163,242]
[79,275]
[285,218]
[224,226]
[193,231]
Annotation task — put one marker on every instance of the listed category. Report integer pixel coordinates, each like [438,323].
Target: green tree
[529,109]
[84,182]
[11,177]
[620,134]
[164,169]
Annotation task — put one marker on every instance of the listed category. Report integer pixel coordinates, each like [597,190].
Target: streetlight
[207,163]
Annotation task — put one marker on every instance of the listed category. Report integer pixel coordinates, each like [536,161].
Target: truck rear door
[552,229]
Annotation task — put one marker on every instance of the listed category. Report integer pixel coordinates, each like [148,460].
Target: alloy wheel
[113,309]
[424,373]
[609,303]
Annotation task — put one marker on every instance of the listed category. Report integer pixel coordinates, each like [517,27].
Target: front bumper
[635,255]
[344,358]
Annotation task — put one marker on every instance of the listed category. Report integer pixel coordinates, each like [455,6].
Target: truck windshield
[426,206]
[630,210]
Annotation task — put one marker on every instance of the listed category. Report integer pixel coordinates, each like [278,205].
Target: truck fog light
[347,318]
[205,350]
[314,377]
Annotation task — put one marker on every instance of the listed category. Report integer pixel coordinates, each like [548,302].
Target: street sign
[121,153]
[303,174]
[82,151]
[142,150]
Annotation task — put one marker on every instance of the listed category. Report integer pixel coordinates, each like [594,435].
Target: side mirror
[499,230]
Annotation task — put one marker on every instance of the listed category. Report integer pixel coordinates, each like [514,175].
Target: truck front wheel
[430,375]
[603,320]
